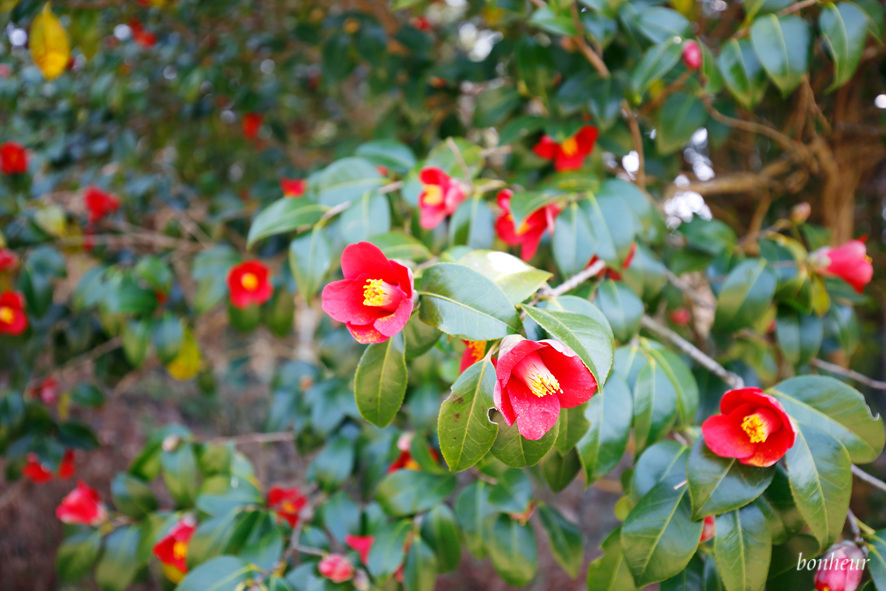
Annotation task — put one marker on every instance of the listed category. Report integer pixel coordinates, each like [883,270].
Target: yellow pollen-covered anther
[754,426]
[249,281]
[376,293]
[569,146]
[433,195]
[180,550]
[537,377]
[6,315]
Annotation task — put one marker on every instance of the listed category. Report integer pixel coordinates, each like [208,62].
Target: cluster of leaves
[359,103]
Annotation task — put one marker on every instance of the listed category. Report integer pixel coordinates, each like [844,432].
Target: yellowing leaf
[50,47]
[187,363]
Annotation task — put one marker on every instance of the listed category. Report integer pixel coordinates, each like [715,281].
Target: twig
[873,481]
[390,188]
[573,281]
[638,144]
[595,60]
[781,139]
[459,158]
[849,373]
[704,360]
[669,90]
[255,438]
[686,288]
[853,526]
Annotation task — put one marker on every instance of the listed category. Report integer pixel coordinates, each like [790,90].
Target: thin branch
[638,144]
[853,526]
[686,288]
[849,373]
[459,158]
[574,281]
[781,139]
[704,360]
[669,90]
[255,438]
[873,481]
[595,60]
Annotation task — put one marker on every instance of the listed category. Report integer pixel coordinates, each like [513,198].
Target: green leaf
[610,572]
[742,72]
[609,413]
[309,259]
[284,215]
[132,496]
[119,563]
[605,96]
[180,474]
[512,493]
[380,381]
[219,574]
[666,460]
[77,554]
[334,464]
[397,245]
[844,27]
[440,530]
[472,224]
[783,45]
[515,278]
[559,24]
[836,408]
[465,304]
[573,240]
[573,426]
[472,509]
[560,469]
[524,203]
[745,295]
[659,536]
[388,153]
[819,470]
[622,308]
[513,551]
[873,10]
[613,229]
[682,379]
[136,338]
[514,450]
[444,157]
[418,337]
[167,336]
[718,485]
[567,544]
[387,552]
[407,492]
[661,24]
[420,569]
[655,404]
[657,61]
[876,545]
[591,340]
[743,549]
[344,180]
[258,539]
[367,216]
[799,336]
[340,515]
[680,116]
[211,537]
[465,432]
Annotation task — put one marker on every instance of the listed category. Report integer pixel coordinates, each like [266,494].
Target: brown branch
[579,38]
[872,480]
[660,97]
[849,373]
[781,139]
[573,281]
[255,438]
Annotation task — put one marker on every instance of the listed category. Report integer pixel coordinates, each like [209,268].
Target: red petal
[546,148]
[535,415]
[724,436]
[771,450]
[366,334]
[433,176]
[574,162]
[509,357]
[504,228]
[503,404]
[343,301]
[432,216]
[586,138]
[394,323]
[577,383]
[366,258]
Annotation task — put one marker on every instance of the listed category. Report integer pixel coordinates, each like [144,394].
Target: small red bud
[841,569]
[708,529]
[800,212]
[692,55]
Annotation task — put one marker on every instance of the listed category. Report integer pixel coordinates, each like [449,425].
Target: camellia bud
[336,568]
[708,529]
[692,55]
[800,212]
[841,569]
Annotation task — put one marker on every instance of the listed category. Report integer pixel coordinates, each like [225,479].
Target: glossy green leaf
[560,469]
[622,308]
[655,404]
[683,380]
[284,215]
[77,554]
[367,216]
[465,432]
[513,551]
[783,45]
[680,116]
[514,450]
[388,549]
[345,180]
[876,545]
[180,474]
[743,549]
[609,414]
[472,509]
[388,153]
[524,203]
[309,259]
[463,303]
[119,564]
[132,496]
[420,568]
[440,530]
[211,537]
[567,544]
[718,485]
[657,61]
[745,295]
[666,460]
[742,71]
[844,27]
[407,492]
[659,24]
[573,241]
[380,381]
[219,574]
[472,224]
[799,336]
[610,572]
[515,278]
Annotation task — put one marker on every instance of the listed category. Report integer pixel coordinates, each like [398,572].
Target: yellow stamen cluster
[542,385]
[477,349]
[374,293]
[288,507]
[180,550]
[754,426]
[6,315]
[433,195]
[249,281]
[569,146]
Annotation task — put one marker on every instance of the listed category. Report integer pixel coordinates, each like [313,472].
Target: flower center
[569,146]
[180,550]
[756,428]
[288,507]
[433,195]
[476,348]
[378,293]
[537,377]
[249,281]
[411,465]
[6,315]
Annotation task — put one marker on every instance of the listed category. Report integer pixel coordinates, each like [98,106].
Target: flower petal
[724,436]
[365,258]
[536,415]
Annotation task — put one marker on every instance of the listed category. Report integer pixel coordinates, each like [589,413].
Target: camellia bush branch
[485,241]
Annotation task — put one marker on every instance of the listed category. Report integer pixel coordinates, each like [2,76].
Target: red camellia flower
[251,124]
[293,187]
[99,204]
[172,550]
[849,262]
[529,234]
[708,529]
[680,316]
[474,352]
[753,428]
[440,196]
[35,470]
[375,298]
[8,260]
[249,284]
[336,568]
[13,158]
[841,569]
[82,506]
[535,379]
[66,468]
[13,320]
[287,502]
[361,544]
[139,35]
[569,154]
[47,391]
[405,461]
[692,55]
[421,23]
